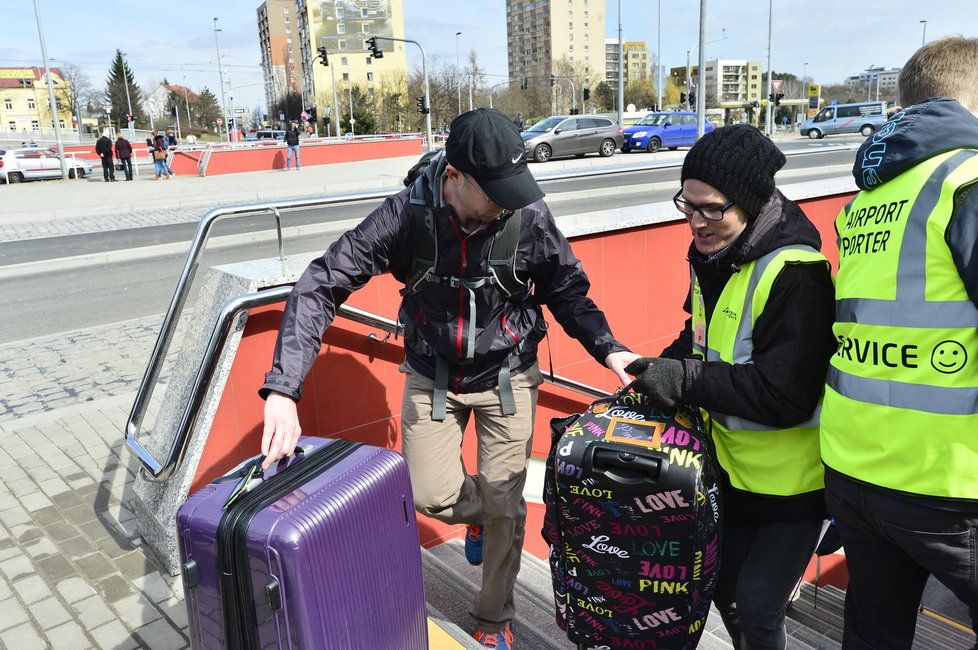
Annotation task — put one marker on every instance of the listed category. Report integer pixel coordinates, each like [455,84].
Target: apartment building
[25,106]
[281,54]
[639,62]
[733,80]
[342,26]
[542,33]
[725,80]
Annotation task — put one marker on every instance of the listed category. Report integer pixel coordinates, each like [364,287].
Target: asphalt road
[56,299]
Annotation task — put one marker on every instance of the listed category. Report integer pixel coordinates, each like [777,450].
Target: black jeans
[108,171]
[892,546]
[760,564]
[126,167]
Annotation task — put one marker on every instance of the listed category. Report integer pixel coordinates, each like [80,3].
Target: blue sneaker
[473,545]
[502,640]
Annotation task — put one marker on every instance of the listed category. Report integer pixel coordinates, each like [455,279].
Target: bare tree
[77,91]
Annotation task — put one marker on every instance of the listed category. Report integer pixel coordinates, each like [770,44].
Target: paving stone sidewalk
[52,372]
[72,574]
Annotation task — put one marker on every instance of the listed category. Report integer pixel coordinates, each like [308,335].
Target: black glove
[658,378]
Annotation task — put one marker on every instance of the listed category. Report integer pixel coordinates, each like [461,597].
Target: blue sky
[175,39]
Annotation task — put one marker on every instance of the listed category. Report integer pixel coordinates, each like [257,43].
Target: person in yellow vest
[753,357]
[899,422]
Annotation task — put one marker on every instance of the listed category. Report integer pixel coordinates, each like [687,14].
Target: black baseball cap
[486,145]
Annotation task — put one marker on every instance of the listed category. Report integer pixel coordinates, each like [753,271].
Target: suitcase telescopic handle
[633,467]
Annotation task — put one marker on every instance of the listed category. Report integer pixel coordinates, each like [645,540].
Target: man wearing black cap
[753,357]
[479,254]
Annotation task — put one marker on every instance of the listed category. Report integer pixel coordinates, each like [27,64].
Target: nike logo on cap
[517,158]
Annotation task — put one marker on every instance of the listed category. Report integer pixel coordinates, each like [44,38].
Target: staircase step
[533,625]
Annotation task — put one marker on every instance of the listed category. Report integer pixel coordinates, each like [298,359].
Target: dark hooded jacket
[793,343]
[436,319]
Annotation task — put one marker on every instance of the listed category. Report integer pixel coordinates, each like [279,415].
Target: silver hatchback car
[572,135]
[31,163]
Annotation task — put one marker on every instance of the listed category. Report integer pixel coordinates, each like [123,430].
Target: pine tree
[206,110]
[115,93]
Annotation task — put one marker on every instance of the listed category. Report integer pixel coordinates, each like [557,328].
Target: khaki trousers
[494,496]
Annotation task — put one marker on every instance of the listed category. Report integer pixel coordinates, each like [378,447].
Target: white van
[861,117]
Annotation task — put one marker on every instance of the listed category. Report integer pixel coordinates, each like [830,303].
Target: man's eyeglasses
[479,190]
[708,212]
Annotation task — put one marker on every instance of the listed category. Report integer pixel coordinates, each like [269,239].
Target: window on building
[11,126]
[61,124]
[30,103]
[8,104]
[287,20]
[346,76]
[285,10]
[34,126]
[343,60]
[364,12]
[570,25]
[370,76]
[341,45]
[370,60]
[341,28]
[288,30]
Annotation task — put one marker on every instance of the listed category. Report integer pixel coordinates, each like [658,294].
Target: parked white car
[32,163]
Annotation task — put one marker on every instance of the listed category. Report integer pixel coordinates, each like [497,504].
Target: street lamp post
[186,101]
[492,88]
[699,73]
[621,71]
[700,94]
[923,36]
[132,133]
[54,103]
[457,34]
[220,72]
[658,60]
[770,86]
[424,72]
[804,72]
[352,129]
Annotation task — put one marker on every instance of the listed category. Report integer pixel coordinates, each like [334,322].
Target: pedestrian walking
[159,158]
[470,341]
[123,151]
[901,399]
[292,144]
[103,147]
[752,356]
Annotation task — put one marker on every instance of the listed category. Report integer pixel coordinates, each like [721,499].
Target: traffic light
[587,94]
[323,55]
[770,97]
[173,112]
[553,79]
[311,111]
[777,98]
[755,103]
[682,98]
[423,106]
[575,111]
[525,84]
[375,51]
[692,98]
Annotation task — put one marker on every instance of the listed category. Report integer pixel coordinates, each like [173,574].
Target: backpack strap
[502,257]
[424,241]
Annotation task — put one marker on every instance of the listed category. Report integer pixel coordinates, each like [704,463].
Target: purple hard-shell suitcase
[321,553]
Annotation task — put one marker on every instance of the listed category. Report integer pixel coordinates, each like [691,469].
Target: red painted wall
[639,278]
[231,161]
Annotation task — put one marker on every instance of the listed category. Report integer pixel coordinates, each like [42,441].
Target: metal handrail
[161,470]
[172,316]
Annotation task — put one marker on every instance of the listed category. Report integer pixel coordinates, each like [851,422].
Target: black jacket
[292,137]
[439,315]
[793,343]
[103,147]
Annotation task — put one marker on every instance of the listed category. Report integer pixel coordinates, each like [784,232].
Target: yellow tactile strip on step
[439,639]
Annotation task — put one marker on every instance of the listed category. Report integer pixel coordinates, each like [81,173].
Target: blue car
[658,130]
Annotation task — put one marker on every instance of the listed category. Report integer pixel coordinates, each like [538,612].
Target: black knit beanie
[739,161]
